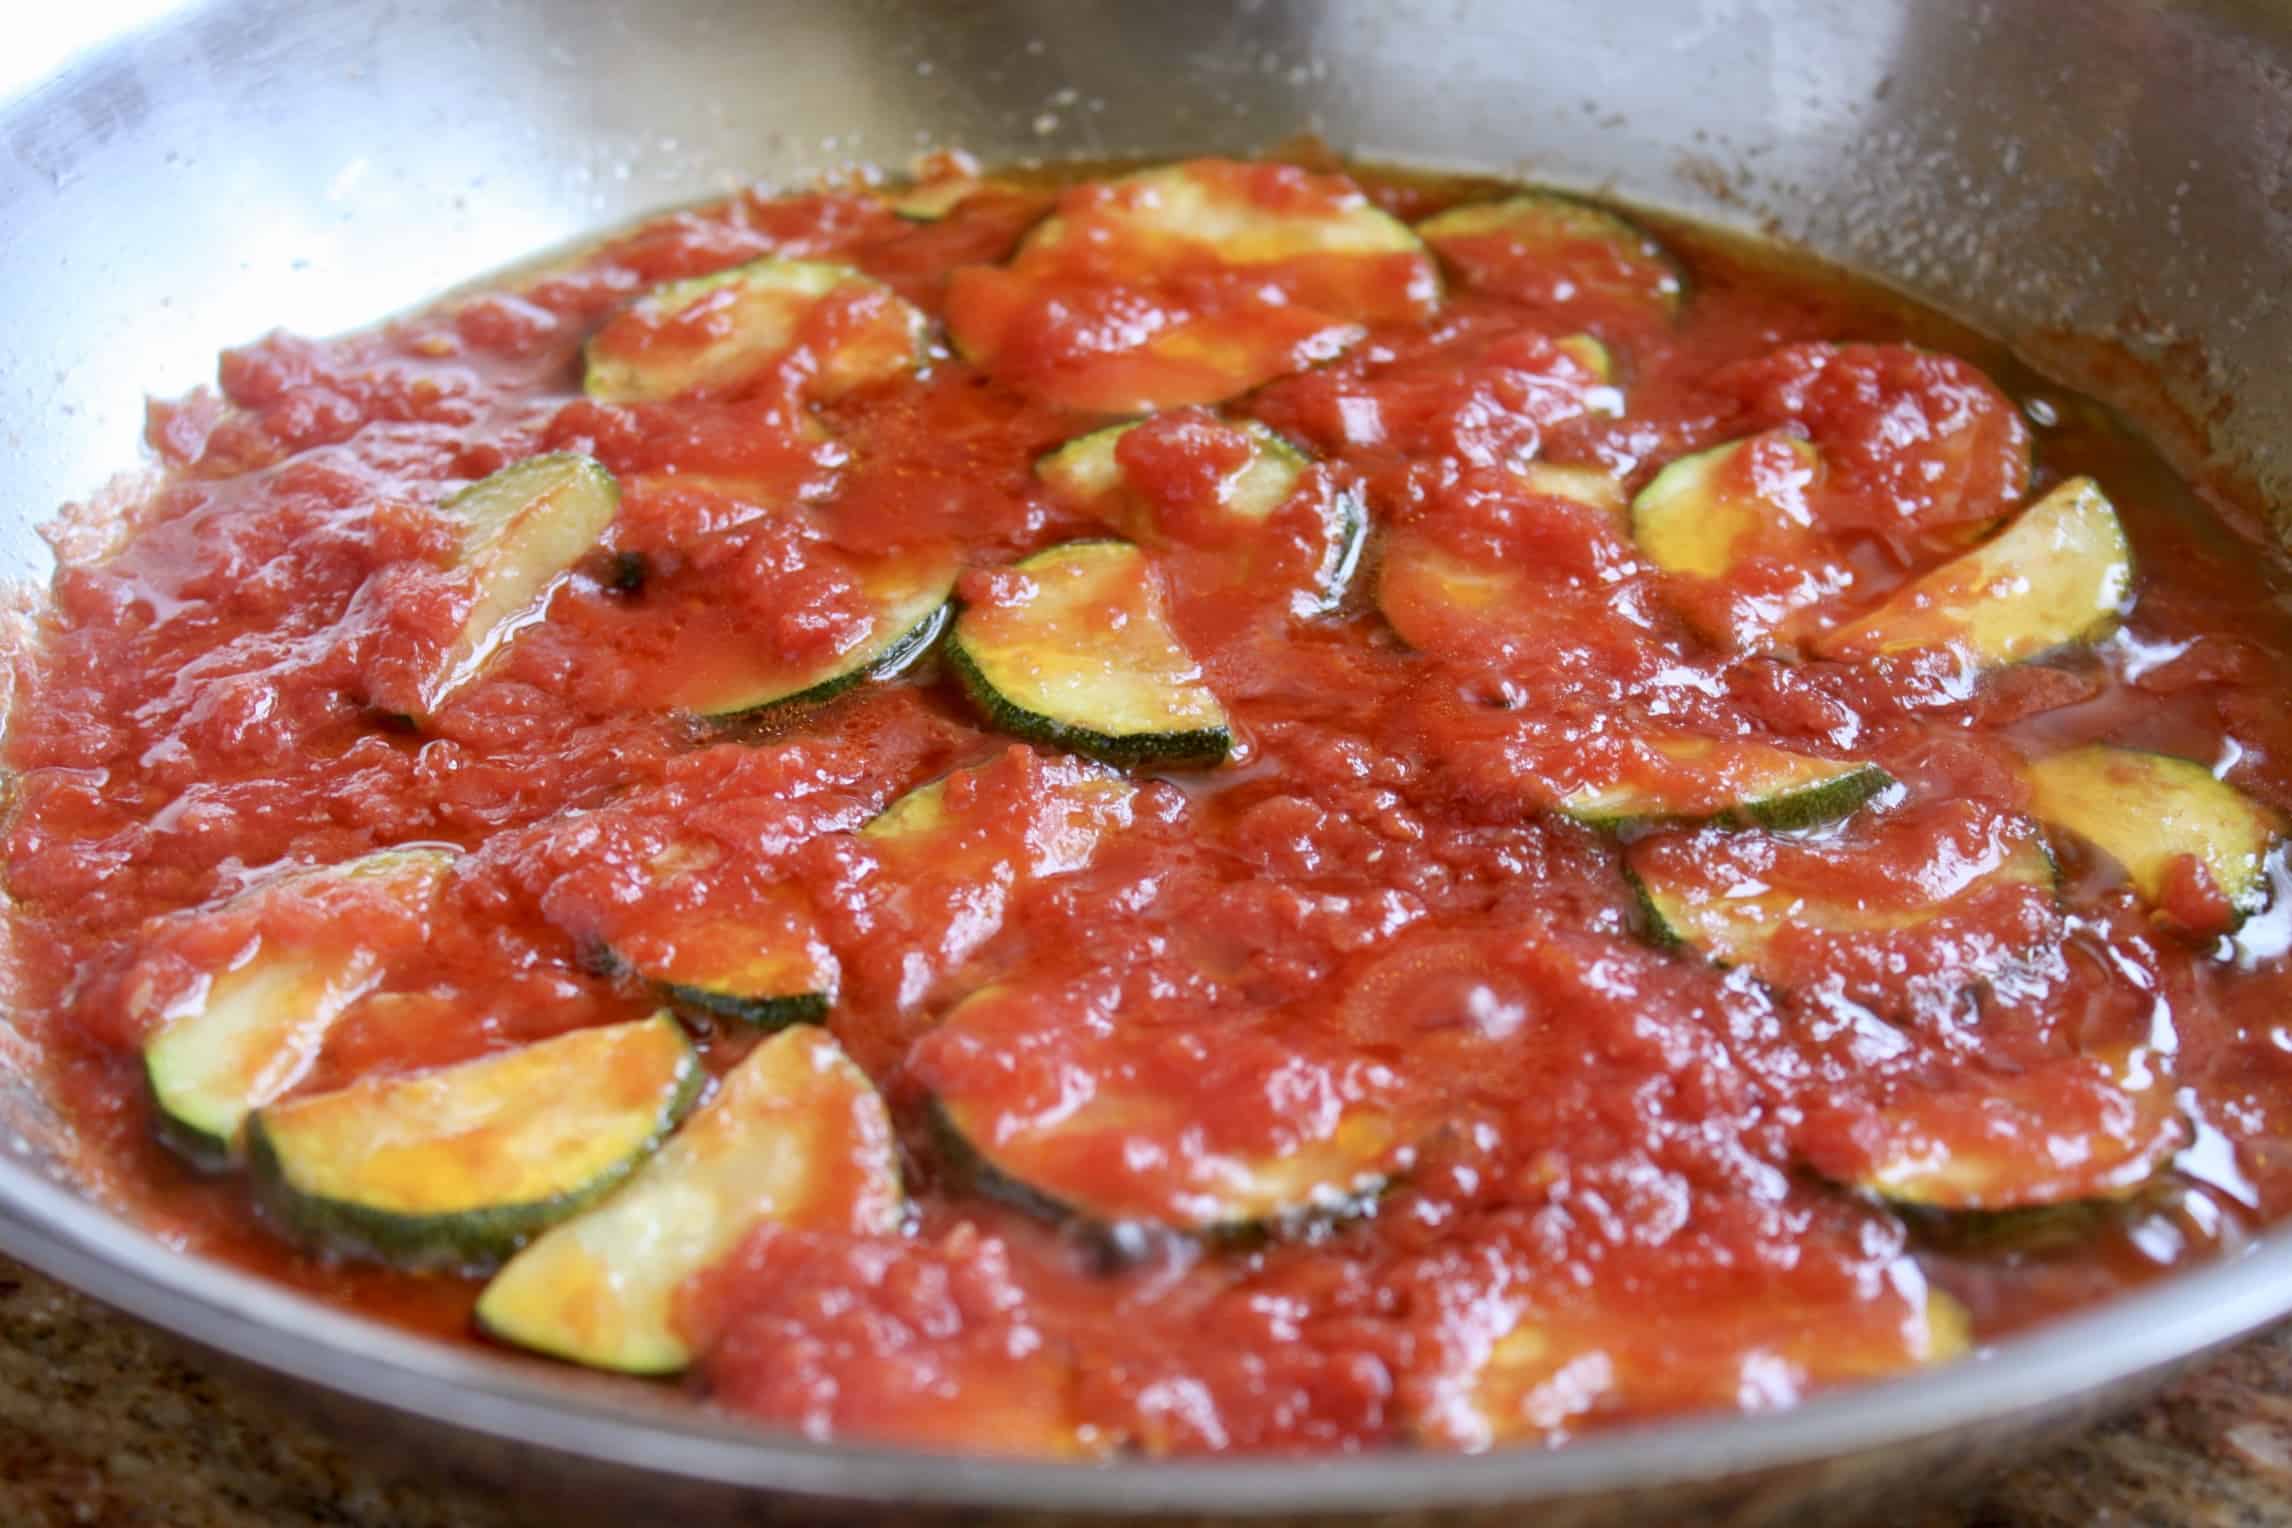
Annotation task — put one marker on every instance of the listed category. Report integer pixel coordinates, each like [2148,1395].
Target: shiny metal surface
[2120,168]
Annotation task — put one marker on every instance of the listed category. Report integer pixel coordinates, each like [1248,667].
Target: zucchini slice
[2072,1130]
[1085,801]
[713,334]
[2148,810]
[1734,918]
[1080,655]
[795,1135]
[1477,607]
[1559,251]
[929,201]
[908,607]
[1124,1145]
[1428,594]
[522,529]
[1732,782]
[458,1167]
[254,1029]
[1551,1369]
[1702,513]
[2060,575]
[1088,473]
[1578,485]
[764,965]
[955,852]
[1250,271]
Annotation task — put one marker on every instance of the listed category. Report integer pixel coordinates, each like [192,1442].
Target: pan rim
[2051,1370]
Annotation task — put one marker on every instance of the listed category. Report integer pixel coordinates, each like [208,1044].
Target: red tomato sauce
[1627,1152]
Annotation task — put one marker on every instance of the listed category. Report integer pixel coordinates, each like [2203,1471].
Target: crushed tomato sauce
[1620,1194]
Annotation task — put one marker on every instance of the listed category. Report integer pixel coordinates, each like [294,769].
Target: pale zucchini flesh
[2059,576]
[1086,801]
[953,853]
[1605,252]
[1086,473]
[1702,513]
[459,1166]
[1205,205]
[521,531]
[930,201]
[1342,263]
[764,965]
[1425,591]
[755,315]
[1240,1200]
[1734,928]
[1590,486]
[908,599]
[794,1135]
[1055,666]
[1734,782]
[1052,1165]
[253,1031]
[2146,810]
[1552,1370]
[2075,1130]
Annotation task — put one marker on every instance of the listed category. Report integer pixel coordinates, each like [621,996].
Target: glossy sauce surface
[1614,1182]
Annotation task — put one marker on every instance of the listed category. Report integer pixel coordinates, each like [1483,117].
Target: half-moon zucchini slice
[1235,513]
[2068,1130]
[2148,810]
[1555,1370]
[1127,1146]
[1736,782]
[907,600]
[1591,486]
[2059,576]
[1082,801]
[459,1166]
[1712,902]
[713,334]
[1704,512]
[1293,266]
[763,964]
[1559,252]
[1079,654]
[521,531]
[252,1029]
[794,1135]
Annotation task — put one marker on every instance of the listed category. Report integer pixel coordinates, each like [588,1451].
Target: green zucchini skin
[1198,748]
[472,1239]
[1039,631]
[902,653]
[1785,811]
[2071,571]
[2032,864]
[523,529]
[1811,807]
[297,995]
[755,1012]
[1121,1242]
[795,1134]
[1687,523]
[763,338]
[2143,809]
[1567,215]
[1085,473]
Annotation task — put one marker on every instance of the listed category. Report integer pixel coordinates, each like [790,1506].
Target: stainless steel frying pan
[2108,167]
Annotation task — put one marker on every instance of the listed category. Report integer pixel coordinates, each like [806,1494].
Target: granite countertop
[104,1424]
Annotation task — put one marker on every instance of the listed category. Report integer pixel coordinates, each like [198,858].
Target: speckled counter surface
[103,1424]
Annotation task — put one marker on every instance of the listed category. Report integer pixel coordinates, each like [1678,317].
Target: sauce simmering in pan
[1565,828]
